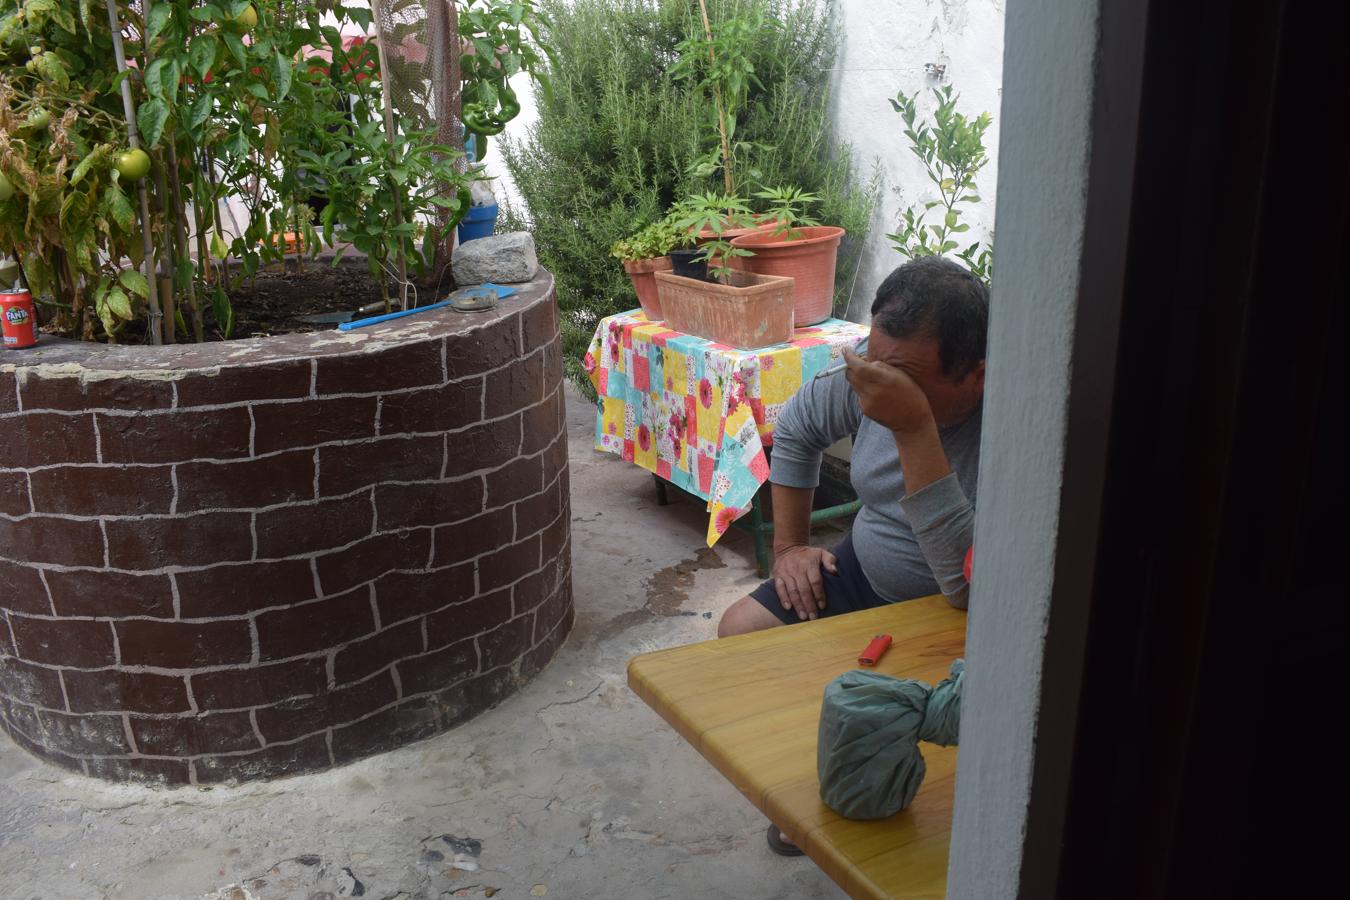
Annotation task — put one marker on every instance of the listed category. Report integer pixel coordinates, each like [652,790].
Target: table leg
[662,498]
[757,529]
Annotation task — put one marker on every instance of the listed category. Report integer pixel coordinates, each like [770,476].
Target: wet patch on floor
[668,589]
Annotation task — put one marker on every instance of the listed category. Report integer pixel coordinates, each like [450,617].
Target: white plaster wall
[1042,207]
[884,48]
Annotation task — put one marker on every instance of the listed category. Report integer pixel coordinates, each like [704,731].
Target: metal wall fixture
[935,70]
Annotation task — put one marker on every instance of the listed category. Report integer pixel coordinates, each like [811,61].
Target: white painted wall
[1042,209]
[885,46]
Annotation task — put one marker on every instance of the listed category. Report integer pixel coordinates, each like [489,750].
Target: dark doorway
[1207,755]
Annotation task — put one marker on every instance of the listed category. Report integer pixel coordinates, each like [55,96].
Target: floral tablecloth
[697,413]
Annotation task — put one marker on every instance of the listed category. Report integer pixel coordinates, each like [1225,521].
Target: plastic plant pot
[480,222]
[688,263]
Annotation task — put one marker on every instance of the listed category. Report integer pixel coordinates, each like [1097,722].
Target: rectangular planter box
[752,311]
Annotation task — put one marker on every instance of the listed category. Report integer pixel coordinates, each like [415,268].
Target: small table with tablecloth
[700,415]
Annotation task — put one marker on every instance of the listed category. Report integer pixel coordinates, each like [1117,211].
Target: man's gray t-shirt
[907,546]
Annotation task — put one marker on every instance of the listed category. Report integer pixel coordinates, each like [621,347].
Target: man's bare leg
[744,616]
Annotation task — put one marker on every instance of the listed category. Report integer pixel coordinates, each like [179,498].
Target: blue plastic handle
[501,290]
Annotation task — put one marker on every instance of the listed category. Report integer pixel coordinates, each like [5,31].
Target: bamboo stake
[134,140]
[181,244]
[389,132]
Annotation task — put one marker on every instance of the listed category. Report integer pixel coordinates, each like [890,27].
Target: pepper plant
[501,39]
[952,152]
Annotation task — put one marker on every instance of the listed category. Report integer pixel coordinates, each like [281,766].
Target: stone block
[369,655]
[315,626]
[119,691]
[501,258]
[102,490]
[82,643]
[188,540]
[241,589]
[183,645]
[104,593]
[280,478]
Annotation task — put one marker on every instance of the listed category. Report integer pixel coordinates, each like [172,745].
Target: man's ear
[978,374]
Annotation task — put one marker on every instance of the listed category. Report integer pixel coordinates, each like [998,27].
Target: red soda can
[18,319]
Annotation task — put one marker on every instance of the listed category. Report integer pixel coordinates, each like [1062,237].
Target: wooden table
[751,706]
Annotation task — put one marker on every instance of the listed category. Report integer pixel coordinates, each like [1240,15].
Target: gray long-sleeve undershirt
[908,546]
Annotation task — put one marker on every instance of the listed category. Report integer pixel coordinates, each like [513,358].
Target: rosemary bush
[621,138]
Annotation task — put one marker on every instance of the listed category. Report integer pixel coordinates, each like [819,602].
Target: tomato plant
[258,100]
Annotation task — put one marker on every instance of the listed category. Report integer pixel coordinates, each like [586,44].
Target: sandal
[781,846]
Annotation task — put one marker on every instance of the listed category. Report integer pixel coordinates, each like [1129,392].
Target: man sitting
[913,405]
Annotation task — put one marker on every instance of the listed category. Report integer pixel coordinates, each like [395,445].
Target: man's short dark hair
[935,297]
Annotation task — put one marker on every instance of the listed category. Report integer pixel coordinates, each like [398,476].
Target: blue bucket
[480,222]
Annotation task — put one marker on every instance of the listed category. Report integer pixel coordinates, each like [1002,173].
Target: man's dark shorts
[846,590]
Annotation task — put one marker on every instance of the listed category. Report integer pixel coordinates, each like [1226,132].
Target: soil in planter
[275,301]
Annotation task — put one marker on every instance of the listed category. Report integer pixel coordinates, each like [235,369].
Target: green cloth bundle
[867,750]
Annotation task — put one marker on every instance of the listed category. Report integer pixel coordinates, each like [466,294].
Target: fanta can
[18,319]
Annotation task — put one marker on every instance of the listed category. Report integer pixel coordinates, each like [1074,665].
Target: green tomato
[133,165]
[6,187]
[39,118]
[246,19]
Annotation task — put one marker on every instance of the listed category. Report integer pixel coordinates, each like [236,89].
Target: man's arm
[941,515]
[822,412]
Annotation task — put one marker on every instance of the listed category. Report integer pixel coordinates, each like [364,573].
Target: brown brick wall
[246,560]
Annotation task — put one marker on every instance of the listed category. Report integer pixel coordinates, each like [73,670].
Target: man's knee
[744,616]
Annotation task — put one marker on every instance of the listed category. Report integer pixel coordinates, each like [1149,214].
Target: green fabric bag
[867,754]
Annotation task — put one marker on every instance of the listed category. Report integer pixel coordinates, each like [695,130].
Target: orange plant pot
[808,261]
[749,312]
[642,272]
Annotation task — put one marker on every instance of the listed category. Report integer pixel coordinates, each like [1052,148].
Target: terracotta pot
[809,261]
[642,272]
[749,312]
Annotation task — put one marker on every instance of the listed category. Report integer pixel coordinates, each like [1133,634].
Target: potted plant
[796,246]
[717,299]
[643,254]
[707,223]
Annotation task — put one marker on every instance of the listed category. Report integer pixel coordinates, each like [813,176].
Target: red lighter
[874,650]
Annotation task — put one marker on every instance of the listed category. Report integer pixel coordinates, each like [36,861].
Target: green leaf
[219,249]
[201,53]
[326,217]
[159,17]
[118,208]
[281,74]
[199,111]
[134,282]
[154,77]
[62,16]
[52,69]
[119,304]
[220,305]
[150,118]
[173,74]
[89,161]
[236,47]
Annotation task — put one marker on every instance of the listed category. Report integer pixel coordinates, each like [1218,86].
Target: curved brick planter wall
[244,560]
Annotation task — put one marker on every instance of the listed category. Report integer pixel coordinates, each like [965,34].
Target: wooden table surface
[751,706]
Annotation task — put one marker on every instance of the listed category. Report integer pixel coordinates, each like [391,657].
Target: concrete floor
[571,788]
